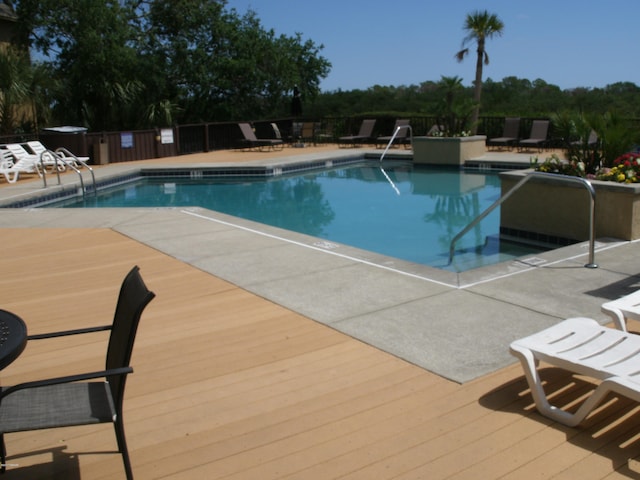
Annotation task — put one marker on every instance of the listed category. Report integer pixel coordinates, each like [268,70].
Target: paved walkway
[456,325]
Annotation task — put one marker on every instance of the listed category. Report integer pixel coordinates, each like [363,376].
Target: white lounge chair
[27,162]
[582,346]
[47,157]
[623,309]
[22,164]
[6,167]
[18,151]
[38,148]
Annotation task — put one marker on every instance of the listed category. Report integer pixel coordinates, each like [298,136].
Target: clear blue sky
[569,43]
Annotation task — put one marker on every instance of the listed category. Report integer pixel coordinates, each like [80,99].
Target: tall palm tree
[479,25]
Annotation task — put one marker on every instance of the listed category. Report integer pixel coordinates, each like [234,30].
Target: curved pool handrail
[393,137]
[592,203]
[68,154]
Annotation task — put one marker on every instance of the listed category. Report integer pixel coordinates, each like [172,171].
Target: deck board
[230,385]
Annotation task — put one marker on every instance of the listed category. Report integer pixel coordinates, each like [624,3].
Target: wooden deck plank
[229,385]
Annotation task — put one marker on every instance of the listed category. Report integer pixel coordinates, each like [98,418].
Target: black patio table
[13,337]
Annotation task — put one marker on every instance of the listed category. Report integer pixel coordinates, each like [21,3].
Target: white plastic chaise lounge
[582,346]
[27,162]
[38,148]
[7,168]
[44,156]
[19,164]
[623,309]
[18,151]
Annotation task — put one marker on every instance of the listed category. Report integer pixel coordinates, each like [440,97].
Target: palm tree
[14,88]
[479,26]
[453,113]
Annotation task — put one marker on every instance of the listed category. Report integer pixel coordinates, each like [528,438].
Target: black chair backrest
[403,132]
[539,129]
[248,132]
[366,128]
[132,300]
[511,127]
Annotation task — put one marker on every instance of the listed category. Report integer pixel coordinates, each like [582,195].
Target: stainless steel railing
[58,157]
[393,137]
[592,202]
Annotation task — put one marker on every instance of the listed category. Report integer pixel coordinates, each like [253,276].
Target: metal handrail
[393,137]
[59,158]
[592,203]
[81,162]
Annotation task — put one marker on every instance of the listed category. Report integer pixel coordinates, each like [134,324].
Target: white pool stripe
[401,272]
[311,247]
[560,260]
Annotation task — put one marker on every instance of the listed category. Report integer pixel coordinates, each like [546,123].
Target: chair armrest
[65,333]
[66,379]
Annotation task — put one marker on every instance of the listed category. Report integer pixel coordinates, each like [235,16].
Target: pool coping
[27,195]
[455,325]
[271,168]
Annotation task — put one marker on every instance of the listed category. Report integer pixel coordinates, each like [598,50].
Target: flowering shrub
[440,133]
[626,169]
[555,164]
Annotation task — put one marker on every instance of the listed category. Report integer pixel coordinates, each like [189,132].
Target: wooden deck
[228,385]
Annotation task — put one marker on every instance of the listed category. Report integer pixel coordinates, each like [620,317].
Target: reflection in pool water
[402,211]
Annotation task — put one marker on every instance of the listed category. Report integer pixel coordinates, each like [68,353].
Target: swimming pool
[402,211]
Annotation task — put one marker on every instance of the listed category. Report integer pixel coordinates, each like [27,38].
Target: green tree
[132,63]
[480,26]
[215,64]
[89,46]
[454,110]
[24,92]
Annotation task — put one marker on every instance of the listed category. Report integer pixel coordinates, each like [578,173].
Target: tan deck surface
[230,385]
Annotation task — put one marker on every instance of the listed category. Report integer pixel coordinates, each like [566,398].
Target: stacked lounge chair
[15,158]
[38,148]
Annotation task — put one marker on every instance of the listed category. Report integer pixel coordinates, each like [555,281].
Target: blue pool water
[403,211]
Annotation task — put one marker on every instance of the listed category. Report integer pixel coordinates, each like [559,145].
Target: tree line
[130,64]
[138,63]
[510,96]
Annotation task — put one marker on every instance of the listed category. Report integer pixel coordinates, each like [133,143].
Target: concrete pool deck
[456,325]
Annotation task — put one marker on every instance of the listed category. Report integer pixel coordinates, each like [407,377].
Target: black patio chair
[250,140]
[538,136]
[365,134]
[402,137]
[510,134]
[73,400]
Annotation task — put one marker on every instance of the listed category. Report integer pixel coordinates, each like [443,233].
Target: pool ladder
[393,137]
[551,176]
[59,158]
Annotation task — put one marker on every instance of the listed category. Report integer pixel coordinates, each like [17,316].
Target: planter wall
[559,209]
[447,151]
